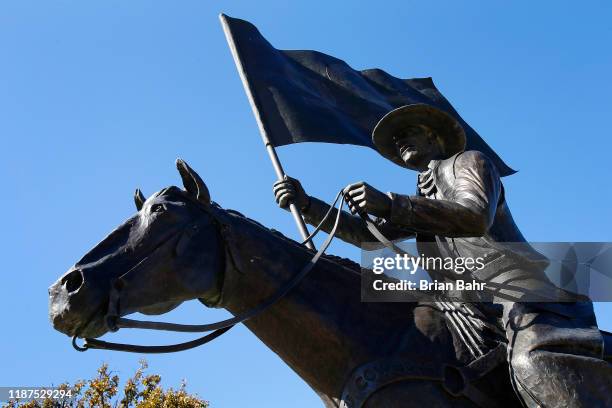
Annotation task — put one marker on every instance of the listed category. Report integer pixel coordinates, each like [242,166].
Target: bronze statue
[499,351]
[555,350]
[181,246]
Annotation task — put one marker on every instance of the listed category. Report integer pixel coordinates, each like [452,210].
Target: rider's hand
[290,190]
[362,197]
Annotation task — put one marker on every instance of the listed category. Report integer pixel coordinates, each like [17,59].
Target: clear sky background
[98,98]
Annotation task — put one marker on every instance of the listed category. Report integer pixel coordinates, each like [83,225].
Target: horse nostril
[73,281]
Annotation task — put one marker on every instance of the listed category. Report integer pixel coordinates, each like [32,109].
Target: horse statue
[181,246]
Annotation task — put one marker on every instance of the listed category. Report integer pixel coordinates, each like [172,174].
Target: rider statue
[555,350]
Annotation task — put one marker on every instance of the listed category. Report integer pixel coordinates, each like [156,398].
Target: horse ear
[139,199]
[192,182]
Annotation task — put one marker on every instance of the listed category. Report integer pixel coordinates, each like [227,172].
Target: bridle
[114,322]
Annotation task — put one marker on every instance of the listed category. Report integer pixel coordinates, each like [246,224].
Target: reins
[114,322]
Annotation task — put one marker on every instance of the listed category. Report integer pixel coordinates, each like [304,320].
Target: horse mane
[341,261]
[344,262]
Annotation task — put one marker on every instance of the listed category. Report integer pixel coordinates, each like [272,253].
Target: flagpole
[295,211]
[278,168]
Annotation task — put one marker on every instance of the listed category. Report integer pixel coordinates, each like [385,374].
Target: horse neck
[321,329]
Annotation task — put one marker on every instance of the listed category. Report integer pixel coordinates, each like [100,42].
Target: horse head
[167,253]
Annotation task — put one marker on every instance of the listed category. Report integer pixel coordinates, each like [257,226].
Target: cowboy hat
[446,127]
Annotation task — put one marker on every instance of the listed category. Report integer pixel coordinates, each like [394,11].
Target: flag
[308,96]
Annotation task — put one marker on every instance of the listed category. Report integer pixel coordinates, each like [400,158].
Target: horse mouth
[65,320]
[93,328]
[72,316]
[72,307]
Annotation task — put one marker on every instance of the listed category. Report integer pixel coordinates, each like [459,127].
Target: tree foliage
[140,391]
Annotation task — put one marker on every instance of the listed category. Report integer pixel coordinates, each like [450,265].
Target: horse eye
[157,208]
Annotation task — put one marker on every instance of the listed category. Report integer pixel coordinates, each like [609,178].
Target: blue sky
[97,98]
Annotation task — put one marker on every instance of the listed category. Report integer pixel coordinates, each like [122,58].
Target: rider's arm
[351,228]
[471,206]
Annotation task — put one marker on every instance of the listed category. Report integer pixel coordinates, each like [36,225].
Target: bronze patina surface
[555,351]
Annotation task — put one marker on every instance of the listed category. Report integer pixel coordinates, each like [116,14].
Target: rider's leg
[555,355]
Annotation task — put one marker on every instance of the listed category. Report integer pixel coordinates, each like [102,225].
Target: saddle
[477,333]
